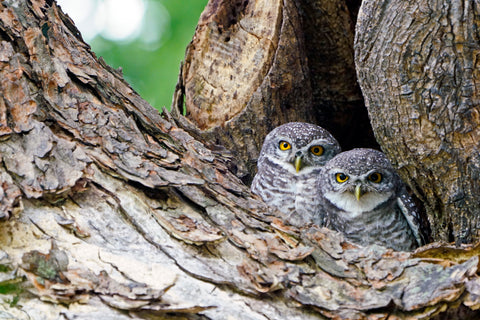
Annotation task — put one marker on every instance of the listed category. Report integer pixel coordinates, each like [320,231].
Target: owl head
[299,147]
[359,180]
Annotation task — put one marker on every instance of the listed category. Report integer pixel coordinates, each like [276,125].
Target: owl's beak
[298,163]
[358,191]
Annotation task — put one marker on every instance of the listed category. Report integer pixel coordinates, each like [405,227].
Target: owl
[291,158]
[364,198]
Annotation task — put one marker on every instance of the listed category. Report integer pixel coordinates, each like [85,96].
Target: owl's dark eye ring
[284,145]
[316,150]
[375,177]
[341,177]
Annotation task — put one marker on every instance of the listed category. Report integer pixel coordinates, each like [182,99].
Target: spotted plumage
[364,198]
[289,163]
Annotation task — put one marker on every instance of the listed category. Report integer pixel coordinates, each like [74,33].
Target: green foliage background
[154,73]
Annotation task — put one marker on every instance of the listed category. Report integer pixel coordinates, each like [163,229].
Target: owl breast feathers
[364,198]
[290,160]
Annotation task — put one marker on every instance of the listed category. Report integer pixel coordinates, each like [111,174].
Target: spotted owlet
[290,160]
[364,198]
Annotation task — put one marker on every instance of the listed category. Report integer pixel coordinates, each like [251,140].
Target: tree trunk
[117,213]
[418,68]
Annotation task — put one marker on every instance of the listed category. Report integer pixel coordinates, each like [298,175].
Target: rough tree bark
[419,71]
[117,213]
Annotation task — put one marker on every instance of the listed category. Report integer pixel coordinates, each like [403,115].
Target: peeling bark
[118,213]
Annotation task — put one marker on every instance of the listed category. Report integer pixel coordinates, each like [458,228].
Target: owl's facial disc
[354,201]
[300,156]
[355,193]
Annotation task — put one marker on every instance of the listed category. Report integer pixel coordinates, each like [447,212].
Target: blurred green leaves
[150,57]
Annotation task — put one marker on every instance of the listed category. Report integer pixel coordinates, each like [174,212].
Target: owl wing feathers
[412,215]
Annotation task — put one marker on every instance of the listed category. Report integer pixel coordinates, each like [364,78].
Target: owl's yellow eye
[316,150]
[284,145]
[375,177]
[341,177]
